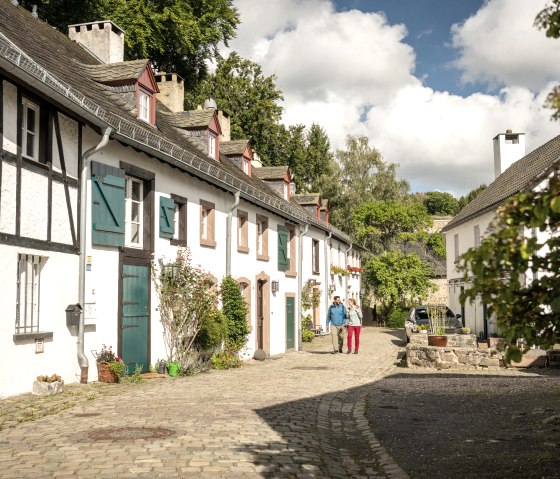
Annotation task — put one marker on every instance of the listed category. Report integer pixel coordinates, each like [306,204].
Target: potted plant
[437,318]
[48,385]
[423,328]
[110,368]
[465,330]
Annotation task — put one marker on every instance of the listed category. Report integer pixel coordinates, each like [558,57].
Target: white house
[515,172]
[102,173]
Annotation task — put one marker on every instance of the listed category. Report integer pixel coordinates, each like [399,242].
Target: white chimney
[508,148]
[171,91]
[104,39]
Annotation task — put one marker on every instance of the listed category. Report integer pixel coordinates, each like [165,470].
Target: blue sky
[428,82]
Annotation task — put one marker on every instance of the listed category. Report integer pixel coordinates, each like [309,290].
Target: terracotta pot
[434,340]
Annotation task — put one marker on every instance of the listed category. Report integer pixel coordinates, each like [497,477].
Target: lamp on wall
[275,286]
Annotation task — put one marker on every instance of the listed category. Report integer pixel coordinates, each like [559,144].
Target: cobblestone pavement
[300,415]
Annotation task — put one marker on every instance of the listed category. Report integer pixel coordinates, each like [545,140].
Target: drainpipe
[327,273]
[300,283]
[228,232]
[84,175]
[347,276]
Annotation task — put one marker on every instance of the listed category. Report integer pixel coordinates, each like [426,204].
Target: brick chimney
[225,125]
[103,39]
[508,148]
[171,91]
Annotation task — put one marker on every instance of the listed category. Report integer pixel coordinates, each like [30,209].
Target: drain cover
[129,433]
[87,414]
[311,368]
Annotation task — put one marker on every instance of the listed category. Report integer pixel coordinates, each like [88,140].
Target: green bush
[213,331]
[225,360]
[397,318]
[306,334]
[234,309]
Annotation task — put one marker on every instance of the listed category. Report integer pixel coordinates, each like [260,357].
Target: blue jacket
[336,315]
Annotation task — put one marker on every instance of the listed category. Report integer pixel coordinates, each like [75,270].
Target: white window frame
[143,106]
[260,237]
[212,144]
[476,236]
[456,246]
[245,166]
[129,202]
[204,223]
[28,293]
[176,220]
[29,105]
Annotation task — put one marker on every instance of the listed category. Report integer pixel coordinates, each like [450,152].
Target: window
[283,260]
[456,245]
[291,250]
[173,219]
[262,238]
[28,293]
[245,164]
[477,236]
[30,126]
[212,144]
[315,256]
[134,212]
[207,224]
[242,231]
[144,106]
[286,190]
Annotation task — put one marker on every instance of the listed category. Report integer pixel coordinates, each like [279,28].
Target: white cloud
[334,66]
[500,45]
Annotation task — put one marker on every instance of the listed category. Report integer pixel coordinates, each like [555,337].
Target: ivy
[235,312]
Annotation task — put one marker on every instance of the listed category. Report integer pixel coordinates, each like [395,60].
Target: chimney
[104,39]
[508,148]
[171,91]
[225,125]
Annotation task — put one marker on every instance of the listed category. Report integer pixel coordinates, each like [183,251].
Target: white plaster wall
[34,205]
[58,289]
[69,136]
[9,142]
[323,277]
[60,226]
[8,198]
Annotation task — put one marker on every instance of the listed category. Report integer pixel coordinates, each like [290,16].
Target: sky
[429,82]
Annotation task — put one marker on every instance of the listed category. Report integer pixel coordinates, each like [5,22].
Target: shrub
[225,360]
[306,334]
[213,331]
[397,318]
[234,309]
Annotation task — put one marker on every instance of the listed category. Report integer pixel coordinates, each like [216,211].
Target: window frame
[37,264]
[128,201]
[181,226]
[144,110]
[242,231]
[212,147]
[262,238]
[315,256]
[28,104]
[476,236]
[291,271]
[456,246]
[207,222]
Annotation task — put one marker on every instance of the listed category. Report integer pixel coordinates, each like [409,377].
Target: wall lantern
[275,286]
[332,287]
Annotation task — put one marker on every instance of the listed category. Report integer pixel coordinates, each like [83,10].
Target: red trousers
[354,331]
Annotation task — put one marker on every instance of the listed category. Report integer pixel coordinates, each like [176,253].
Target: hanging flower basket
[104,373]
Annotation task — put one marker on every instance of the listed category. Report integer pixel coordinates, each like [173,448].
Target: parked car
[419,316]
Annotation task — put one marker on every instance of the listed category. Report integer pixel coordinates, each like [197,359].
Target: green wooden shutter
[283,262]
[108,204]
[166,217]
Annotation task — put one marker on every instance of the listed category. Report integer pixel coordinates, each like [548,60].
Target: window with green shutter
[283,261]
[108,204]
[166,217]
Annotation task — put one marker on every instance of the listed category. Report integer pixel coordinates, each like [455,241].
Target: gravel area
[470,425]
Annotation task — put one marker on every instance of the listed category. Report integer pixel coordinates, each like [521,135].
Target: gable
[147,80]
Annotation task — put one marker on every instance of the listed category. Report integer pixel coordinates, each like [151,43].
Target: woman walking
[354,325]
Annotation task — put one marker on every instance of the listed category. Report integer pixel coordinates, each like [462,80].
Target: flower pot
[440,341]
[173,369]
[42,388]
[104,373]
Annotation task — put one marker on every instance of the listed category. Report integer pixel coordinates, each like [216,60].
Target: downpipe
[228,232]
[348,275]
[84,175]
[300,284]
[327,273]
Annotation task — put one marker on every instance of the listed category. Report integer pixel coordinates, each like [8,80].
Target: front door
[290,322]
[135,316]
[260,314]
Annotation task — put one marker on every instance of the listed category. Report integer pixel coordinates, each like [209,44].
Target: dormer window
[144,105]
[212,144]
[246,167]
[286,190]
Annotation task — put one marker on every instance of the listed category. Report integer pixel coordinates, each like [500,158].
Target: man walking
[336,318]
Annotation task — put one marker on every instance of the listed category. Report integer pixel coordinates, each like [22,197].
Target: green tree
[250,99]
[383,225]
[397,278]
[465,200]
[176,35]
[234,309]
[516,275]
[441,203]
[363,177]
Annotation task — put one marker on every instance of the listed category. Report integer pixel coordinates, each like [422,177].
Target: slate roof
[233,147]
[115,72]
[521,175]
[34,51]
[271,172]
[307,199]
[192,118]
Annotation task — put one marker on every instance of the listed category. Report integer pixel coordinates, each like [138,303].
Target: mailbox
[73,312]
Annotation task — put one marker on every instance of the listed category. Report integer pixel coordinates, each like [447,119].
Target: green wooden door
[135,315]
[290,322]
